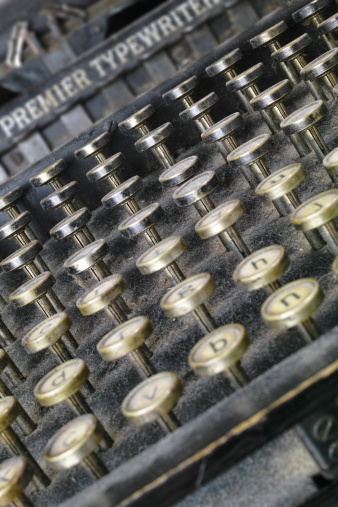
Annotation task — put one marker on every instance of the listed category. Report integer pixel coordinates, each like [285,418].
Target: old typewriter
[169,253]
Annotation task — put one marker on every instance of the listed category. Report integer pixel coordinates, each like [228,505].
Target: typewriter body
[111,95]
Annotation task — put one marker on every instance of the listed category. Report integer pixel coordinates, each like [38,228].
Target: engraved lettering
[21,118]
[218,345]
[68,86]
[59,379]
[197,7]
[319,206]
[184,10]
[134,45]
[293,294]
[7,125]
[69,440]
[150,396]
[255,263]
[166,25]
[278,178]
[81,79]
[33,109]
[47,101]
[150,34]
[121,51]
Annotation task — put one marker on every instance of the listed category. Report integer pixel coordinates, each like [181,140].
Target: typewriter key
[319,212]
[269,38]
[138,121]
[322,67]
[143,223]
[222,133]
[74,226]
[335,266]
[105,295]
[63,383]
[196,191]
[108,170]
[123,195]
[262,268]
[23,258]
[196,111]
[225,67]
[189,296]
[304,120]
[74,444]
[220,352]
[48,335]
[15,474]
[128,339]
[90,258]
[62,198]
[272,100]
[293,53]
[155,142]
[220,222]
[293,305]
[11,411]
[199,112]
[330,162]
[153,400]
[327,27]
[95,147]
[180,172]
[9,200]
[163,256]
[311,13]
[12,372]
[251,154]
[50,175]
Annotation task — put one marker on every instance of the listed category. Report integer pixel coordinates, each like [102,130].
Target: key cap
[155,142]
[312,13]
[293,52]
[108,170]
[75,227]
[196,191]
[269,38]
[128,339]
[50,175]
[328,27]
[74,444]
[180,172]
[9,204]
[189,296]
[142,223]
[322,68]
[123,195]
[319,212]
[293,306]
[221,222]
[330,162]
[105,295]
[89,258]
[24,258]
[62,198]
[48,335]
[10,411]
[138,121]
[222,133]
[262,268]
[251,154]
[15,474]
[95,147]
[279,189]
[304,120]
[221,352]
[63,384]
[153,400]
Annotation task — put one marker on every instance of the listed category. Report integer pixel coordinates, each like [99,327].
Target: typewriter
[169,253]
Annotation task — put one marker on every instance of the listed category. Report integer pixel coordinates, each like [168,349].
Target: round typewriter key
[199,112]
[196,191]
[222,133]
[63,383]
[155,142]
[15,474]
[246,81]
[335,266]
[293,305]
[62,198]
[293,53]
[322,67]
[50,175]
[47,335]
[9,200]
[182,92]
[319,212]
[143,223]
[90,258]
[123,195]
[262,268]
[95,146]
[104,295]
[23,258]
[74,444]
[251,154]
[220,222]
[128,339]
[220,352]
[153,400]
[189,296]
[330,163]
[180,172]
[225,67]
[73,226]
[304,120]
[11,411]
[163,256]
[311,13]
[138,121]
[12,372]
[327,27]
[108,170]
